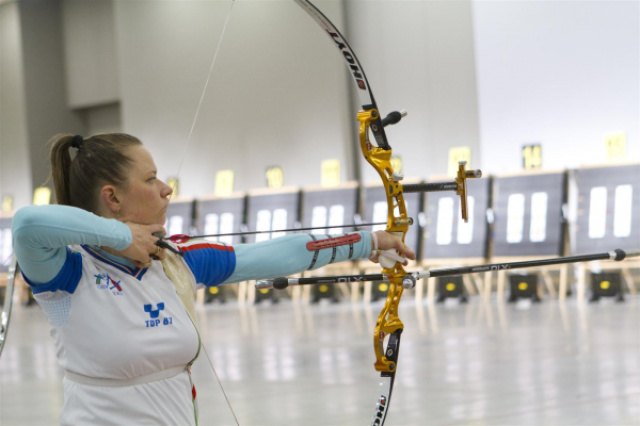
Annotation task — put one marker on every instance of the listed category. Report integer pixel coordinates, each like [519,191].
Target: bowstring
[184,154]
[215,373]
[204,91]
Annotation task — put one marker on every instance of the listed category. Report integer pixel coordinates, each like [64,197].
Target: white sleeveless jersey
[120,326]
[124,337]
[121,333]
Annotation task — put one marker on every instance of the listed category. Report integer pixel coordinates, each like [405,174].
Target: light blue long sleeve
[288,255]
[41,233]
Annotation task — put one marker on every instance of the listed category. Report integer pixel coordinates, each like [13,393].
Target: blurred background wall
[490,76]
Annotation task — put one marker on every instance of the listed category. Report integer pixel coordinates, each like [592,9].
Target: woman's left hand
[386,241]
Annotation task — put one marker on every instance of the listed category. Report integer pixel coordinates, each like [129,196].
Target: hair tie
[77,141]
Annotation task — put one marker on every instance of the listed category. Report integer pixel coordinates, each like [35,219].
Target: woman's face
[145,199]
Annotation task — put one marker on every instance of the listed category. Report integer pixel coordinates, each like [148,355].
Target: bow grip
[389,262]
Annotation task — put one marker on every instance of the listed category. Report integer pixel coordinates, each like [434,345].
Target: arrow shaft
[613,255]
[616,255]
[189,237]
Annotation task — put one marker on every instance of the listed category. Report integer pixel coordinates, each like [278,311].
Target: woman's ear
[111,199]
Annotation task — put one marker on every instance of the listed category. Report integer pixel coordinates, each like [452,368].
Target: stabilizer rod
[282,283]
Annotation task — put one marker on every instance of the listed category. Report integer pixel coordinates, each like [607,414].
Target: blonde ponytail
[97,160]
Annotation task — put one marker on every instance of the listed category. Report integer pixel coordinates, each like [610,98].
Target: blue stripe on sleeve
[211,264]
[66,280]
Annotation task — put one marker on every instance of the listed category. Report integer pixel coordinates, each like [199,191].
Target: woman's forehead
[142,159]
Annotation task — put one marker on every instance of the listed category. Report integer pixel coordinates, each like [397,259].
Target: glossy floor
[483,363]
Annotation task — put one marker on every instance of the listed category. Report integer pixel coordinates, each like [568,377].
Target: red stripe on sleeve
[198,246]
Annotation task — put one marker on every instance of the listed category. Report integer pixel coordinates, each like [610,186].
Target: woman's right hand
[143,244]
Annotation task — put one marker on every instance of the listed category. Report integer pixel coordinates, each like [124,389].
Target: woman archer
[119,304]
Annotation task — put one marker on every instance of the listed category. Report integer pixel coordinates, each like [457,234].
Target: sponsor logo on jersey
[154,315]
[104,281]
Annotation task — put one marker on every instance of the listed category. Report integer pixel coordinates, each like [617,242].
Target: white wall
[561,73]
[279,93]
[15,173]
[90,53]
[47,109]
[491,75]
[419,56]
[276,94]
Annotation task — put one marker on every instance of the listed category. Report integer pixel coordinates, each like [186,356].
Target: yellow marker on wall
[532,156]
[616,146]
[396,163]
[275,177]
[456,155]
[7,203]
[174,183]
[41,196]
[330,174]
[224,183]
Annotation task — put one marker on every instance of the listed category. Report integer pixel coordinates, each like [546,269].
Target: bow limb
[363,90]
[5,315]
[380,158]
[388,324]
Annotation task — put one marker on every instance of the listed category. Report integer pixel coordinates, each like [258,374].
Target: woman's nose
[166,190]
